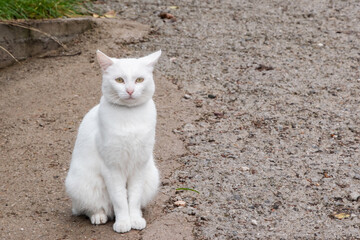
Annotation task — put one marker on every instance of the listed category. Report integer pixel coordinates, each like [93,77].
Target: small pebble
[191,211]
[315,179]
[354,196]
[165,182]
[244,169]
[176,131]
[189,127]
[236,197]
[254,222]
[186,96]
[357,176]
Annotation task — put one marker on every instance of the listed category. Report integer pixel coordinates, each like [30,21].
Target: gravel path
[273,147]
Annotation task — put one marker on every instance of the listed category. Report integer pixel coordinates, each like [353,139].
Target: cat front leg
[116,185]
[135,191]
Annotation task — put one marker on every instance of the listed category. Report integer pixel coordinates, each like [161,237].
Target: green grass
[186,189]
[40,9]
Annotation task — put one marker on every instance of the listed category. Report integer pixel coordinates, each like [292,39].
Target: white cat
[112,171]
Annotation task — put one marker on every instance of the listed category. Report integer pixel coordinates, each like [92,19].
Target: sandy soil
[42,103]
[258,110]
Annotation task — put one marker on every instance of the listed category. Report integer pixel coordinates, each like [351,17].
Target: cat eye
[119,80]
[139,80]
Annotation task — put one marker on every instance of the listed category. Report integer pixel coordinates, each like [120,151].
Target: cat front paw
[138,223]
[122,226]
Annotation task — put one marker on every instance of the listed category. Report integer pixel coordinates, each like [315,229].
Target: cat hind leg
[99,217]
[89,197]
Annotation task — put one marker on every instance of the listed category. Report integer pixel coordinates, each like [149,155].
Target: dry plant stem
[47,55]
[9,54]
[36,30]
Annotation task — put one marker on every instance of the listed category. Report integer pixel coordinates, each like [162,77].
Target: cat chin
[126,102]
[129,102]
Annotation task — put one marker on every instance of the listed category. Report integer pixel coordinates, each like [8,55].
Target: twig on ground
[9,54]
[55,54]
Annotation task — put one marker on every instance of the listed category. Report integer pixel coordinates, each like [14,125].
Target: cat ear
[151,60]
[104,61]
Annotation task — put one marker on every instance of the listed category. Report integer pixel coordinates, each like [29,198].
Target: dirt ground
[258,110]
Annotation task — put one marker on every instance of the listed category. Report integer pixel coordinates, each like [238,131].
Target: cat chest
[126,148]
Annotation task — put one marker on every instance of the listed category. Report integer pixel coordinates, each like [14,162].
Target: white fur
[112,171]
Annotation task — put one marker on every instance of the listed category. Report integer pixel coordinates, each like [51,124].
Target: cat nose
[130,91]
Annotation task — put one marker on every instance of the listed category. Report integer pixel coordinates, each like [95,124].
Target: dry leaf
[180,203]
[96,15]
[326,175]
[110,14]
[173,7]
[165,15]
[341,215]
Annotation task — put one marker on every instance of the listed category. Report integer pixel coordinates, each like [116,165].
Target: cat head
[128,81]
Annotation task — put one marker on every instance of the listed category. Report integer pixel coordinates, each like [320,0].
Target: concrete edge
[23,42]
